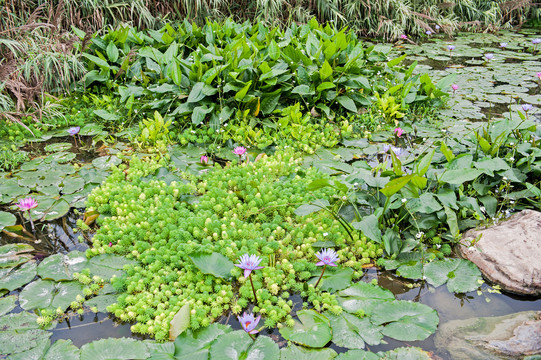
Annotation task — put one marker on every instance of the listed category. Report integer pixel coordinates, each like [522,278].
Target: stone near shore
[508,254]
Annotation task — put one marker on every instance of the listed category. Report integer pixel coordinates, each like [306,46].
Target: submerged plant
[27,204]
[326,257]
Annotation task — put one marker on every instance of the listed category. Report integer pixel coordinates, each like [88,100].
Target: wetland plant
[27,204]
[327,257]
[248,323]
[249,263]
[74,131]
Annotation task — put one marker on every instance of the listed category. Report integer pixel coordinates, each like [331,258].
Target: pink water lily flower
[239,150]
[27,204]
[404,37]
[454,87]
[398,131]
[249,322]
[204,159]
[538,75]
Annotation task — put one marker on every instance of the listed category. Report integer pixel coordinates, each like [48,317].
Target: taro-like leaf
[180,322]
[102,301]
[60,267]
[405,320]
[334,279]
[7,304]
[122,348]
[192,345]
[352,332]
[357,355]
[363,296]
[12,255]
[7,219]
[295,352]
[459,176]
[239,345]
[369,226]
[311,329]
[460,275]
[48,294]
[11,279]
[215,264]
[16,341]
[108,265]
[62,350]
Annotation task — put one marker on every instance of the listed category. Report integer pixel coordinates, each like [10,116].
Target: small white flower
[424,277]
[471,248]
[511,144]
[344,198]
[419,234]
[483,209]
[504,178]
[404,200]
[193,131]
[438,246]
[325,233]
[511,159]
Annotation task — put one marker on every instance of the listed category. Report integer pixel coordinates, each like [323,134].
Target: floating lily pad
[357,355]
[17,341]
[60,267]
[58,147]
[42,294]
[215,264]
[7,219]
[119,349]
[105,162]
[102,301]
[19,321]
[311,329]
[405,320]
[11,279]
[192,345]
[62,350]
[406,353]
[180,322]
[334,279]
[295,352]
[12,255]
[460,275]
[108,265]
[72,184]
[363,296]
[352,332]
[7,304]
[239,345]
[36,353]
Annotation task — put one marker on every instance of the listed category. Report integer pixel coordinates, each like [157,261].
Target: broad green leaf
[112,52]
[396,185]
[294,352]
[12,255]
[452,221]
[369,227]
[6,219]
[7,304]
[406,353]
[423,165]
[458,177]
[72,184]
[101,302]
[215,264]
[180,322]
[242,92]
[357,355]
[324,86]
[57,147]
[352,332]
[42,294]
[57,210]
[105,162]
[396,61]
[333,279]
[118,349]
[325,71]
[425,204]
[192,345]
[108,265]
[461,275]
[96,60]
[302,90]
[405,320]
[306,209]
[311,329]
[347,103]
[11,279]
[274,50]
[62,350]
[175,73]
[60,267]
[196,94]
[106,115]
[200,112]
[239,345]
[363,296]
[19,321]
[36,353]
[17,341]
[269,103]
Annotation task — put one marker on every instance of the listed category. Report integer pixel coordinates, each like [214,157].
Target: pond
[488,89]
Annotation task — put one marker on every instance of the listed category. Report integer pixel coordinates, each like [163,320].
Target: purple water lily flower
[526,107]
[503,45]
[249,263]
[397,151]
[536,41]
[239,150]
[74,130]
[386,148]
[437,27]
[327,257]
[489,56]
[451,47]
[428,32]
[249,322]
[27,204]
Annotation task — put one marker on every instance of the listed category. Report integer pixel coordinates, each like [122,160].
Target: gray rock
[512,336]
[508,254]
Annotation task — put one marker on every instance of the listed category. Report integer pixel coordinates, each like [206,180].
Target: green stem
[253,288]
[31,222]
[320,276]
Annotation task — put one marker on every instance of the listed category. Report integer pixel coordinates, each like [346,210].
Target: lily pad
[294,352]
[7,304]
[36,353]
[43,294]
[60,267]
[334,279]
[406,353]
[180,322]
[11,279]
[62,350]
[7,219]
[101,302]
[352,332]
[105,162]
[192,345]
[57,147]
[405,320]
[311,329]
[12,255]
[363,296]
[19,321]
[239,345]
[107,349]
[72,184]
[17,341]
[461,275]
[108,265]
[357,355]
[215,264]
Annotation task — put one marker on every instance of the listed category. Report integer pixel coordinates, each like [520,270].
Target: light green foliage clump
[240,209]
